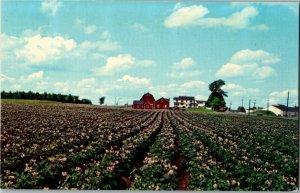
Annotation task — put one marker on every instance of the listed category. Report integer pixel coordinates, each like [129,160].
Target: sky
[123,49]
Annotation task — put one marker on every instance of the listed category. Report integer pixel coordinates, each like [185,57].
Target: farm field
[67,146]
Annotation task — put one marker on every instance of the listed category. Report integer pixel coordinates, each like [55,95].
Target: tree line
[44,96]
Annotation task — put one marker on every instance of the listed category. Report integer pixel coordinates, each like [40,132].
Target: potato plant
[86,147]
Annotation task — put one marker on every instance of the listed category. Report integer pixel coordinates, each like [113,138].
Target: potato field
[60,146]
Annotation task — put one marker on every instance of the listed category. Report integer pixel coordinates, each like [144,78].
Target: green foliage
[216,98]
[199,110]
[263,112]
[45,96]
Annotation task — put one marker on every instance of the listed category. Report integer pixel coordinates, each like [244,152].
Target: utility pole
[249,106]
[242,101]
[230,106]
[254,104]
[268,105]
[287,104]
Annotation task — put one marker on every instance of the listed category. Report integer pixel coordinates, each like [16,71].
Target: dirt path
[182,174]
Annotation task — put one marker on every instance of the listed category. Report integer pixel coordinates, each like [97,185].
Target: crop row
[88,147]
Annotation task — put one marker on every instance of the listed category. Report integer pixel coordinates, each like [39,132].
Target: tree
[216,98]
[241,109]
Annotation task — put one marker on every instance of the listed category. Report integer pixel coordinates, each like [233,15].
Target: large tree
[216,98]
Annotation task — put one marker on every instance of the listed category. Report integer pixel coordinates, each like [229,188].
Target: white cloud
[134,81]
[185,16]
[139,27]
[284,93]
[196,84]
[120,63]
[260,27]
[8,45]
[249,63]
[4,78]
[36,76]
[194,16]
[231,86]
[238,90]
[50,7]
[87,83]
[184,63]
[90,29]
[246,56]
[185,68]
[293,6]
[116,64]
[264,72]
[39,49]
[281,96]
[232,70]
[185,74]
[78,21]
[62,87]
[106,45]
[32,77]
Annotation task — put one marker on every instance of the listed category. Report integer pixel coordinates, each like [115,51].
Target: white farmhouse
[184,102]
[187,102]
[280,110]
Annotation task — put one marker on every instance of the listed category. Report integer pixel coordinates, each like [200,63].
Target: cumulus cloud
[238,90]
[133,81]
[90,29]
[187,67]
[185,63]
[50,7]
[232,70]
[120,63]
[195,16]
[32,77]
[186,16]
[196,84]
[62,86]
[264,72]
[261,56]
[281,96]
[292,6]
[87,83]
[249,63]
[8,45]
[38,49]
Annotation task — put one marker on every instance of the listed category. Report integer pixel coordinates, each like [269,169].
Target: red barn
[162,103]
[148,102]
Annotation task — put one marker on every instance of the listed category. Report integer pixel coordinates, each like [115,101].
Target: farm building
[187,102]
[280,110]
[184,102]
[162,103]
[200,103]
[148,102]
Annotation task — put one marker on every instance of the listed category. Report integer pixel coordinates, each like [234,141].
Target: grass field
[200,110]
[24,101]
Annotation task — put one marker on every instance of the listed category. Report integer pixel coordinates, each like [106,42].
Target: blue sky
[123,49]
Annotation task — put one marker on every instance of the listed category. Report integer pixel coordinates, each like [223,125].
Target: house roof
[138,102]
[163,99]
[290,109]
[147,95]
[184,98]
